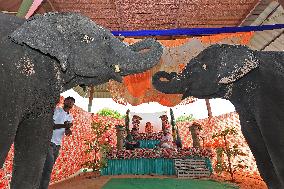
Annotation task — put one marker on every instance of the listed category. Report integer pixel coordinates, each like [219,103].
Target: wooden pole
[208,108]
[91,97]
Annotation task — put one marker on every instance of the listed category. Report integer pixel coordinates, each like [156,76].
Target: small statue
[195,132]
[136,121]
[120,134]
[148,127]
[165,122]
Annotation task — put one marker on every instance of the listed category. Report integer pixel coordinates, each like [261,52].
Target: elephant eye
[105,38]
[87,39]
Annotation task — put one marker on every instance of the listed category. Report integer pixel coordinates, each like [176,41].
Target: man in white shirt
[167,140]
[62,124]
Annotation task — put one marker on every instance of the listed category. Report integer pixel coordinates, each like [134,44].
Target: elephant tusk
[204,66]
[116,68]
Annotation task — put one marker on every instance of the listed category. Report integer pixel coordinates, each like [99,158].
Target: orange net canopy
[137,89]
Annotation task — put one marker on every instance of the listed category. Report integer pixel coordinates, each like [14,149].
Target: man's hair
[134,129]
[70,98]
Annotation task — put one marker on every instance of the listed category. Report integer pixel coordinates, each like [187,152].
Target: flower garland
[149,136]
[166,153]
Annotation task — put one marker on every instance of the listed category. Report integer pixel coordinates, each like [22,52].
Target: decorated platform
[149,140]
[158,161]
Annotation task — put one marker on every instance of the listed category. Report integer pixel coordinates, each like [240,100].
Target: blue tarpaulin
[196,31]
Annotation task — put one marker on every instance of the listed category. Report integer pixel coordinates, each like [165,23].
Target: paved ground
[90,181]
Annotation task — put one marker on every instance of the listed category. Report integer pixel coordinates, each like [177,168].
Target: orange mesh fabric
[137,89]
[138,84]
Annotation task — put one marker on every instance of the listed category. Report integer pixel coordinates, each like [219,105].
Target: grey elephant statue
[42,57]
[253,82]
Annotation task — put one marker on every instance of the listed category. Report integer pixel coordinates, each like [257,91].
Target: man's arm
[68,132]
[66,125]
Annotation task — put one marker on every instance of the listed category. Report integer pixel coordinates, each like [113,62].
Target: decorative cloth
[137,88]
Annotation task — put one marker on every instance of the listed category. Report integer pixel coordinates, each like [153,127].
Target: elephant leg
[31,146]
[272,131]
[258,148]
[8,128]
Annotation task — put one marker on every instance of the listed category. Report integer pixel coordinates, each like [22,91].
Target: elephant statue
[43,57]
[254,82]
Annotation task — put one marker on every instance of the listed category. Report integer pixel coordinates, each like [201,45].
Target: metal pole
[92,90]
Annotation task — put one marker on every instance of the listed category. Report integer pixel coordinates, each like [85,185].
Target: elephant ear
[235,62]
[47,34]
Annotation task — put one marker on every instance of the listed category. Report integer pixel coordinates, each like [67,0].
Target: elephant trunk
[138,60]
[173,85]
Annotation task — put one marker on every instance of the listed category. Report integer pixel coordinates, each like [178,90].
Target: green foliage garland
[110,113]
[185,118]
